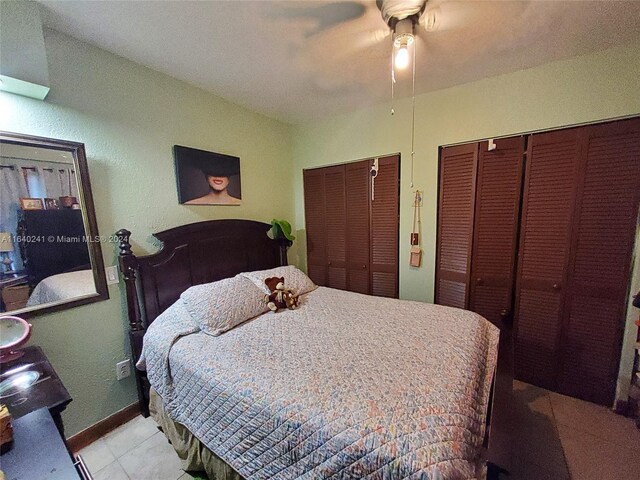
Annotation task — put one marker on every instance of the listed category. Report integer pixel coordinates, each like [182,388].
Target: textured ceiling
[297,60]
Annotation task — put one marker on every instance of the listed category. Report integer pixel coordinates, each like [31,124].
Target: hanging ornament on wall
[415,258]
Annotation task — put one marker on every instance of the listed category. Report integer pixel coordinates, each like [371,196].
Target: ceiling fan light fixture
[403,39]
[402,16]
[401,45]
[402,58]
[403,29]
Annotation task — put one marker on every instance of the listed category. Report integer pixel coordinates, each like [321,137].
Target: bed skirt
[194,455]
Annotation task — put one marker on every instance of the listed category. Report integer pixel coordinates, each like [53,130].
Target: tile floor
[136,450]
[556,438]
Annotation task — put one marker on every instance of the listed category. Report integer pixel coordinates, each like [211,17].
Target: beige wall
[594,87]
[129,117]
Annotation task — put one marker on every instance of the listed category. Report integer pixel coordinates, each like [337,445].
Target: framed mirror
[50,255]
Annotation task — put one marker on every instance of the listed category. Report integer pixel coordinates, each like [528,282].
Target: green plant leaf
[281,229]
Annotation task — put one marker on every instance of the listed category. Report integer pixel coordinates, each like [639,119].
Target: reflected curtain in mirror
[20,178]
[12,187]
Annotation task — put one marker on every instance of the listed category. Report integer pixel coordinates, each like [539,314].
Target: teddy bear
[280,296]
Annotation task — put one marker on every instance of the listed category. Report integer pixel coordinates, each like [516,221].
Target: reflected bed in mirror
[47,218]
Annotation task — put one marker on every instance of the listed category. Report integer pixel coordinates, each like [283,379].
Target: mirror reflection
[44,257]
[11,330]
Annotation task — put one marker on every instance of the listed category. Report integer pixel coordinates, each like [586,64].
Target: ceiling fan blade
[320,16]
[344,46]
[442,15]
[345,41]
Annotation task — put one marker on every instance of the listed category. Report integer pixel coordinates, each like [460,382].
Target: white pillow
[222,305]
[294,279]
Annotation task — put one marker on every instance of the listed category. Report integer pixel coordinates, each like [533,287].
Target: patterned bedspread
[346,387]
[63,286]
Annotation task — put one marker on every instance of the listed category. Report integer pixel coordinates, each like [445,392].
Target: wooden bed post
[128,266]
[284,245]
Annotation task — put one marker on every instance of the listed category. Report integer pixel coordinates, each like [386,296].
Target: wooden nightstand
[47,392]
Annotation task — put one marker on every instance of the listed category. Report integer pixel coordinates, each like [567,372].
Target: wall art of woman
[207,178]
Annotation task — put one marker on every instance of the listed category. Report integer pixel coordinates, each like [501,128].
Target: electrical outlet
[112,274]
[123,369]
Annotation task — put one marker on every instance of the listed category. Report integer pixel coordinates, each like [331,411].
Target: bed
[63,286]
[346,386]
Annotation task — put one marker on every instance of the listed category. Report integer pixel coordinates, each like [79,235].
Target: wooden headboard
[191,254]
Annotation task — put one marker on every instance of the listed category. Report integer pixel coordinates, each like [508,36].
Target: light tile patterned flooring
[136,450]
[556,438]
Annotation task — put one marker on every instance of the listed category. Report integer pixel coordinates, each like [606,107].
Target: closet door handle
[329,263]
[505,316]
[556,286]
[364,267]
[478,281]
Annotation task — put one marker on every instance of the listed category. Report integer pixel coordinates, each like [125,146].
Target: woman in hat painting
[217,173]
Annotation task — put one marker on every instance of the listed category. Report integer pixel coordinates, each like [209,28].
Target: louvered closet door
[336,226]
[604,231]
[549,195]
[455,224]
[357,190]
[314,211]
[384,228]
[497,212]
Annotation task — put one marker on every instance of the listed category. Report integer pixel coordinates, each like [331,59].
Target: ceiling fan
[402,17]
[341,33]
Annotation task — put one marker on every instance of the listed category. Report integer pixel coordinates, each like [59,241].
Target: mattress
[346,386]
[63,286]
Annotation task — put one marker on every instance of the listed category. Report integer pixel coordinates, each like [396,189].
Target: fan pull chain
[413,111]
[393,75]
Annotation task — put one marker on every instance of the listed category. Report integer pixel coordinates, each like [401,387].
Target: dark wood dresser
[39,450]
[47,392]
